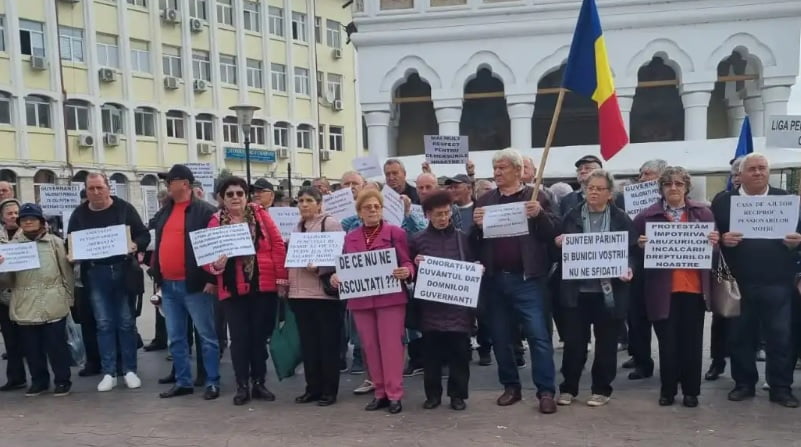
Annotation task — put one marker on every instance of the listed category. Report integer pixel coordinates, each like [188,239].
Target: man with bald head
[426,185]
[6,191]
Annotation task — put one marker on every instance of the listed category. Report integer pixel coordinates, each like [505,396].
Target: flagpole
[548,141]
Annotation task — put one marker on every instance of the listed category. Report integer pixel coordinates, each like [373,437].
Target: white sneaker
[565,399]
[132,380]
[765,386]
[107,384]
[598,400]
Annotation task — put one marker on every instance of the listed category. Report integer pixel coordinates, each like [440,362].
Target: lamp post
[244,117]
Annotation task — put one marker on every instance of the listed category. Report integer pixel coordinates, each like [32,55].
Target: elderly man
[517,268]
[6,191]
[323,185]
[584,166]
[482,187]
[263,192]
[395,176]
[426,184]
[764,269]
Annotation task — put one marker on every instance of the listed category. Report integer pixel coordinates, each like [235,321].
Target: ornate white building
[686,71]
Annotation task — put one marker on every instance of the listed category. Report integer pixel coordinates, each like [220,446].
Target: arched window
[578,121]
[112,118]
[42,177]
[145,121]
[304,135]
[37,111]
[80,176]
[657,113]
[76,115]
[726,108]
[5,108]
[120,183]
[230,129]
[7,175]
[204,127]
[415,115]
[281,134]
[485,119]
[258,129]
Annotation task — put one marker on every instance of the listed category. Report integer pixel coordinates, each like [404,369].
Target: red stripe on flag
[612,132]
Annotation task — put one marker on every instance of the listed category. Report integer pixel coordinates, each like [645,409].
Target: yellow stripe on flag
[606,86]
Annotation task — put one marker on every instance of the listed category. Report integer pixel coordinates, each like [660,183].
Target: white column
[736,114]
[756,113]
[378,133]
[626,100]
[696,104]
[18,94]
[520,123]
[775,100]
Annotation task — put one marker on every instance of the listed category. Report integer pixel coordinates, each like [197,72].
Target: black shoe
[153,346]
[377,404]
[212,392]
[458,404]
[521,362]
[690,401]
[714,371]
[242,395]
[89,371]
[629,364]
[785,399]
[430,404]
[740,393]
[343,366]
[260,392]
[5,356]
[36,390]
[666,401]
[176,391]
[62,390]
[395,407]
[13,386]
[306,398]
[484,359]
[326,401]
[639,374]
[200,380]
[167,379]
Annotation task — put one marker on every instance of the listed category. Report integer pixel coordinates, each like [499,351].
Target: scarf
[248,262]
[606,283]
[673,214]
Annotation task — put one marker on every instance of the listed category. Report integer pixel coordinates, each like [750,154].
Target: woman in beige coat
[318,314]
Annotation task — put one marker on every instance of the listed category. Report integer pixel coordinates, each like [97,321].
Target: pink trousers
[381,333]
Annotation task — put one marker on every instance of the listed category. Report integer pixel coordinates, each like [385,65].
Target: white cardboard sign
[507,220]
[230,240]
[764,217]
[448,281]
[595,255]
[340,204]
[393,206]
[639,196]
[367,273]
[99,243]
[320,249]
[446,149]
[784,131]
[19,256]
[368,167]
[204,173]
[55,199]
[286,217]
[678,245]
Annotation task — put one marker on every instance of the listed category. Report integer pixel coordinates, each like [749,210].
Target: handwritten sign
[446,149]
[367,273]
[204,173]
[678,245]
[595,255]
[368,167]
[448,281]
[393,206]
[507,220]
[99,243]
[286,217]
[764,217]
[417,211]
[639,196]
[19,257]
[320,249]
[229,240]
[55,199]
[340,204]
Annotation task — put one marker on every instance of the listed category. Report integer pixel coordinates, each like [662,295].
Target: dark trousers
[161,330]
[639,328]
[86,318]
[770,306]
[246,316]
[451,349]
[15,368]
[45,342]
[681,338]
[718,337]
[320,327]
[483,329]
[221,325]
[577,321]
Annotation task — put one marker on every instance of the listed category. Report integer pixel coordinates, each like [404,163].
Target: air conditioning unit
[86,140]
[204,148]
[107,75]
[336,53]
[283,153]
[171,82]
[170,15]
[38,63]
[337,105]
[111,139]
[195,25]
[325,155]
[200,85]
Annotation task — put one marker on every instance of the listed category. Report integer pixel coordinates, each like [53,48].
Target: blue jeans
[114,317]
[517,300]
[178,305]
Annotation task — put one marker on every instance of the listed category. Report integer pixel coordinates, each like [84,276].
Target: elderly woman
[598,303]
[318,314]
[15,368]
[380,318]
[248,287]
[40,302]
[675,298]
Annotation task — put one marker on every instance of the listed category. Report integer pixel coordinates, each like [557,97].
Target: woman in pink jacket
[380,318]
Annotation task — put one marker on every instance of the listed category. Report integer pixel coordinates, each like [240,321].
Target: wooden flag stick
[548,141]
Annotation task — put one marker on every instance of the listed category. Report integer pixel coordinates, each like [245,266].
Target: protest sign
[446,149]
[286,217]
[448,281]
[394,211]
[204,174]
[368,167]
[55,199]
[229,240]
[595,255]
[65,220]
[150,196]
[99,243]
[678,245]
[505,220]
[764,217]
[19,256]
[320,249]
[367,273]
[784,131]
[340,204]
[417,211]
[639,196]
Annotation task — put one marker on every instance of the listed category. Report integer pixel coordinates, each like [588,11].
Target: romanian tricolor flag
[588,74]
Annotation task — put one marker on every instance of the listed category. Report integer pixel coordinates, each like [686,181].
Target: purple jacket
[389,237]
[659,282]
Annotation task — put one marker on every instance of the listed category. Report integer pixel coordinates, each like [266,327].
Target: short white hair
[753,156]
[560,190]
[510,155]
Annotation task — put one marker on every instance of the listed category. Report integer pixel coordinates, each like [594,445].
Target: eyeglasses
[676,184]
[231,194]
[597,188]
[371,207]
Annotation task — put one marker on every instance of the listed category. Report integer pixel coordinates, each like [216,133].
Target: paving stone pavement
[139,418]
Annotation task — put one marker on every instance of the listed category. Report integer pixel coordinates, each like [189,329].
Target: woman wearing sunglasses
[248,287]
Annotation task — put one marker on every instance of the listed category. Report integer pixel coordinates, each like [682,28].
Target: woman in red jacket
[248,287]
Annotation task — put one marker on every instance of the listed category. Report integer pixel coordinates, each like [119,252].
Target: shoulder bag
[725,292]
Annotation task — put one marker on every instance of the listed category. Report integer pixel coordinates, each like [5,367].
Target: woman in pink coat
[380,318]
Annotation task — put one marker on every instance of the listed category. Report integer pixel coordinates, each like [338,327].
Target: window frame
[39,33]
[109,51]
[113,113]
[258,130]
[5,109]
[2,32]
[168,58]
[140,57]
[275,20]
[254,73]
[199,9]
[303,137]
[75,109]
[281,135]
[300,27]
[321,137]
[228,69]
[318,29]
[336,138]
[140,3]
[143,115]
[230,130]
[204,128]
[302,80]
[73,37]
[201,63]
[251,16]
[278,78]
[176,124]
[41,108]
[333,32]
[225,12]
[334,85]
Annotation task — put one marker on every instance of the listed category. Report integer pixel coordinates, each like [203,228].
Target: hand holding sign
[792,240]
[732,239]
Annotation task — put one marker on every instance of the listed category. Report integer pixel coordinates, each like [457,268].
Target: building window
[169,4]
[318,32]
[278,77]
[70,40]
[225,12]
[281,134]
[304,136]
[201,65]
[37,111]
[204,127]
[142,3]
[299,26]
[276,16]
[251,16]
[335,135]
[5,108]
[254,73]
[321,137]
[198,9]
[320,83]
[2,33]
[140,56]
[31,38]
[230,130]
[175,124]
[76,115]
[335,85]
[145,122]
[333,33]
[171,59]
[257,132]
[107,51]
[302,81]
[111,118]
[227,69]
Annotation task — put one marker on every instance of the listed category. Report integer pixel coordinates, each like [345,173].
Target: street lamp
[244,117]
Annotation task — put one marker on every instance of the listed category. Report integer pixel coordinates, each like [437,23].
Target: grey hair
[675,171]
[735,165]
[510,155]
[657,164]
[603,174]
[394,161]
[352,173]
[752,156]
[483,181]
[95,175]
[560,190]
[162,194]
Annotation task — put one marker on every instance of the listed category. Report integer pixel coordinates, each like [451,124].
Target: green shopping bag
[285,343]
